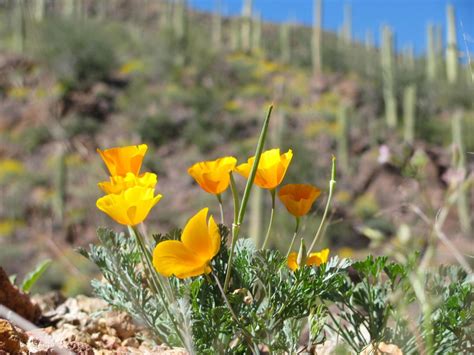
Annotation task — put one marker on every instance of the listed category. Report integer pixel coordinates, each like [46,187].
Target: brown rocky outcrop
[17,301]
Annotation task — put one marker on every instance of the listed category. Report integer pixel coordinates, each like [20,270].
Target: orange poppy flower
[213,176]
[271,168]
[298,198]
[317,259]
[131,206]
[117,184]
[190,256]
[123,160]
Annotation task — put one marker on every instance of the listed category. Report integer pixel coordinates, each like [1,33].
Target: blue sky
[408,18]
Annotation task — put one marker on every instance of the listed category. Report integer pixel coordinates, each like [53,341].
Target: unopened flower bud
[301,260]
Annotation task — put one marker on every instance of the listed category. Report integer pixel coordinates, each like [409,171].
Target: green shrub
[78,52]
[158,129]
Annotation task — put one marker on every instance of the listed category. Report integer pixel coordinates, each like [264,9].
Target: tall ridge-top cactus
[409,57]
[21,15]
[459,162]
[166,16]
[234,33]
[80,9]
[347,25]
[409,113]
[369,51]
[257,32]
[431,56]
[388,74]
[69,8]
[38,10]
[61,186]
[179,19]
[180,28]
[451,49]
[246,25]
[285,43]
[341,42]
[439,40]
[101,10]
[217,27]
[316,37]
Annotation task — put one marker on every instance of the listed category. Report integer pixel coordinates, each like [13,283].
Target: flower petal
[213,176]
[112,205]
[123,160]
[130,207]
[318,258]
[291,261]
[172,257]
[271,168]
[215,236]
[196,236]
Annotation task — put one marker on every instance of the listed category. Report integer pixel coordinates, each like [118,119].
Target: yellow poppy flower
[317,259]
[213,176]
[117,184]
[298,198]
[131,206]
[271,168]
[123,160]
[200,242]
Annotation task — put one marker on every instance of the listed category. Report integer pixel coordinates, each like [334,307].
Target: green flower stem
[155,283]
[219,198]
[245,333]
[253,171]
[332,185]
[235,197]
[267,236]
[294,236]
[243,206]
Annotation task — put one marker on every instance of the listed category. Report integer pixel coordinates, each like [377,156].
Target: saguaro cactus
[179,20]
[285,43]
[439,41]
[61,186]
[369,51]
[459,161]
[257,33]
[166,15]
[316,38]
[69,8]
[23,24]
[451,49]
[431,56]
[246,25]
[39,10]
[180,28]
[409,57]
[409,113]
[388,74]
[235,34]
[217,27]
[347,24]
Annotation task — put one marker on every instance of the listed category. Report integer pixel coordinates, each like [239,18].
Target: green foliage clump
[125,287]
[363,303]
[80,53]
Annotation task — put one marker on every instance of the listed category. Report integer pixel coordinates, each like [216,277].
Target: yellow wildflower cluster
[131,196]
